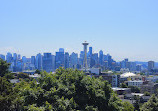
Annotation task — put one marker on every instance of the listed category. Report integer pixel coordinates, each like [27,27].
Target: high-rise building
[33,60]
[2,57]
[19,57]
[39,61]
[81,58]
[139,67]
[95,58]
[151,65]
[90,51]
[73,60]
[47,62]
[101,57]
[59,59]
[14,62]
[109,61]
[61,50]
[53,60]
[66,64]
[9,57]
[24,59]
[15,57]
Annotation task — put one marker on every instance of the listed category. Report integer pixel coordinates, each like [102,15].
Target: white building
[135,83]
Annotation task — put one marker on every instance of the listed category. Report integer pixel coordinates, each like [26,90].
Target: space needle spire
[85,44]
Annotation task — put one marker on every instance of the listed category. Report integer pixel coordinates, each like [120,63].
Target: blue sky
[123,28]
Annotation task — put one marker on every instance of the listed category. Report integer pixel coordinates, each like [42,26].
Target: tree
[38,71]
[7,94]
[4,67]
[146,93]
[134,89]
[123,85]
[128,106]
[151,105]
[137,103]
[69,90]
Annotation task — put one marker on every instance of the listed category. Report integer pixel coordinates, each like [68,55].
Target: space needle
[85,44]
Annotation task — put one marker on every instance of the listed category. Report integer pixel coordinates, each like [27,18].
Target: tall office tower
[105,58]
[9,57]
[39,61]
[19,66]
[109,60]
[59,59]
[132,66]
[126,63]
[101,57]
[24,59]
[81,58]
[85,44]
[33,60]
[47,62]
[90,51]
[61,50]
[73,60]
[15,59]
[151,65]
[66,64]
[19,57]
[139,67]
[2,57]
[53,60]
[95,58]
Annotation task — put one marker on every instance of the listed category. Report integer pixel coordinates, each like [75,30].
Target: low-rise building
[122,91]
[135,83]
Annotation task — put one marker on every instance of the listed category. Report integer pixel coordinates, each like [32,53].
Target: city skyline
[13,50]
[124,29]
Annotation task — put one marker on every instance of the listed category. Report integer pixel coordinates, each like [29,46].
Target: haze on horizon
[124,29]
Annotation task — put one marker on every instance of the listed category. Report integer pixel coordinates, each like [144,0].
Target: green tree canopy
[7,94]
[134,89]
[4,67]
[69,90]
[151,105]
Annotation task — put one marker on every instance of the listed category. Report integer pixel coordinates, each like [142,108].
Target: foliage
[128,106]
[7,94]
[38,71]
[22,75]
[151,105]
[123,85]
[146,93]
[66,90]
[137,103]
[4,67]
[134,89]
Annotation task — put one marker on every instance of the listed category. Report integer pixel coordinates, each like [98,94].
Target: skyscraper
[73,60]
[90,51]
[59,59]
[151,65]
[39,61]
[47,62]
[33,60]
[101,57]
[9,57]
[53,60]
[61,50]
[66,64]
